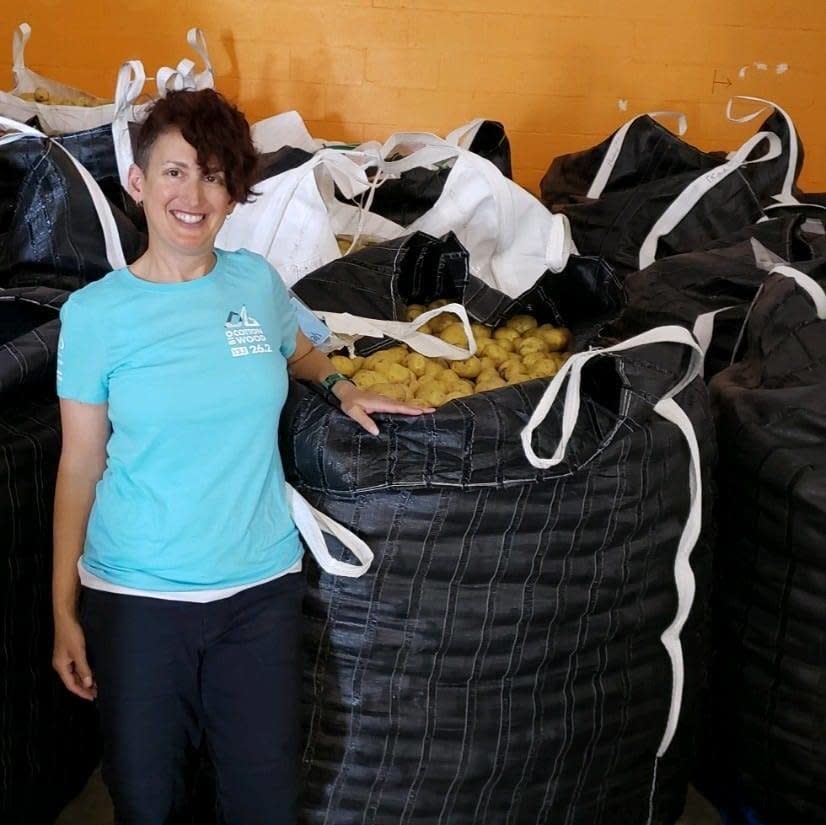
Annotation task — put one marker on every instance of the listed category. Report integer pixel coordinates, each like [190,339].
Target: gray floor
[93,807]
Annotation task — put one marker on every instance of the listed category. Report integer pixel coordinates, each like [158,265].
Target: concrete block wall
[560,74]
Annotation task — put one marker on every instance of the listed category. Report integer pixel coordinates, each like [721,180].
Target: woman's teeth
[186,217]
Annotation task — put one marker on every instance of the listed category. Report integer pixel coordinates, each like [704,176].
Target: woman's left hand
[358,404]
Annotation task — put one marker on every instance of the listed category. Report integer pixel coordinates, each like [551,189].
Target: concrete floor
[93,807]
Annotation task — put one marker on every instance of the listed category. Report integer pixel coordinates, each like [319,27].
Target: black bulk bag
[640,151]
[52,230]
[95,149]
[768,762]
[502,661]
[48,738]
[710,290]
[775,180]
[634,226]
[580,297]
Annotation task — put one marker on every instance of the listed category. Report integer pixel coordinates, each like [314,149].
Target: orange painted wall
[553,71]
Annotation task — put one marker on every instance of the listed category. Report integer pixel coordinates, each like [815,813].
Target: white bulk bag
[54,119]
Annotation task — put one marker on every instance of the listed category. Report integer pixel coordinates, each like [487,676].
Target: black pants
[170,673]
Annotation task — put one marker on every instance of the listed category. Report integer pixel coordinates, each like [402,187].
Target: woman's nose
[193,191]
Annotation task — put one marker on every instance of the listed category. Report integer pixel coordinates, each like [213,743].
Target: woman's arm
[308,364]
[82,461]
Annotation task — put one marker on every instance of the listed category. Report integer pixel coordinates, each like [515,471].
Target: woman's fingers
[377,403]
[77,678]
[357,413]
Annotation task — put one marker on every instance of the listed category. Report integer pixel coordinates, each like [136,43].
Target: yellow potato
[532,333]
[467,369]
[487,363]
[452,396]
[493,383]
[343,365]
[531,345]
[384,358]
[413,312]
[495,352]
[425,329]
[434,367]
[487,375]
[441,322]
[416,363]
[398,392]
[505,334]
[41,95]
[512,363]
[433,394]
[463,386]
[364,379]
[556,339]
[481,331]
[507,344]
[544,368]
[439,302]
[454,334]
[530,358]
[521,323]
[427,384]
[358,361]
[511,372]
[397,374]
[448,378]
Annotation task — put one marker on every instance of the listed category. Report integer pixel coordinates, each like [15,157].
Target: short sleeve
[81,359]
[285,311]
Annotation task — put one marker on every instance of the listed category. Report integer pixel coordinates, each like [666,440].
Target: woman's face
[185,207]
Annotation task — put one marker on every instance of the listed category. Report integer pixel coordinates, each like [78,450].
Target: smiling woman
[171,514]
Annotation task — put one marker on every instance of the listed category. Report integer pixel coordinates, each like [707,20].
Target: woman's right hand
[69,658]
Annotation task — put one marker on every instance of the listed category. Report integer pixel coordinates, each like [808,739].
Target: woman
[170,509]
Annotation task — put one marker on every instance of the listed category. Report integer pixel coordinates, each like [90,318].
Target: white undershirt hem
[94,582]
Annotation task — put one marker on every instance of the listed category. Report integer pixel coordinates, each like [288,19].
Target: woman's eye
[173,173]
[214,179]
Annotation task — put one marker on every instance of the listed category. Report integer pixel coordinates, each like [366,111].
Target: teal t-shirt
[195,376]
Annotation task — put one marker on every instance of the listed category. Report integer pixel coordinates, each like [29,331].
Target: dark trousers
[172,673]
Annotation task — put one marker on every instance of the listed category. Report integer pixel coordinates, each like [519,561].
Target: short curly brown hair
[217,130]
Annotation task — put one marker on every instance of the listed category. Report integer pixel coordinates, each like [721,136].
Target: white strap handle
[463,136]
[785,194]
[129,86]
[615,147]
[19,39]
[111,236]
[808,285]
[197,40]
[311,523]
[701,186]
[184,77]
[350,328]
[671,411]
[703,330]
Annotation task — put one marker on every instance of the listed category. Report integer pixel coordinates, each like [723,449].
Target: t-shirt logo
[240,319]
[244,334]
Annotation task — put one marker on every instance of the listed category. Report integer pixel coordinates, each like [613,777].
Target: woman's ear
[135,180]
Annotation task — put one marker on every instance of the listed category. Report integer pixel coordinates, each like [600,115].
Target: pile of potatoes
[519,351]
[43,95]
